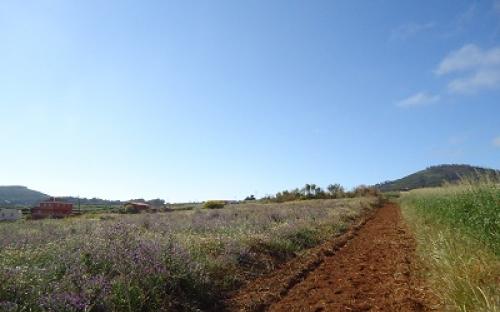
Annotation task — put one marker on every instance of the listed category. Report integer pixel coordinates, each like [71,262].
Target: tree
[307,190]
[156,202]
[336,190]
[363,190]
[319,193]
[251,197]
[313,189]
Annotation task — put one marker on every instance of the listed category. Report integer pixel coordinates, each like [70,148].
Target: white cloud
[419,99]
[480,69]
[482,79]
[405,31]
[468,57]
[496,141]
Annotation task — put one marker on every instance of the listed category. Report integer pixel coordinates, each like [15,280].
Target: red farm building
[52,208]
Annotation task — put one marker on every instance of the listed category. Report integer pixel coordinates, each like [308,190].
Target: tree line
[313,191]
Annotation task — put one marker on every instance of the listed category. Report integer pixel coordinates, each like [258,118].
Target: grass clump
[457,228]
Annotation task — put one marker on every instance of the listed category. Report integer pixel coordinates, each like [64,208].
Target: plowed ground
[371,270]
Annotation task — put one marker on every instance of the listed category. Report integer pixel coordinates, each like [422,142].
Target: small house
[52,208]
[10,214]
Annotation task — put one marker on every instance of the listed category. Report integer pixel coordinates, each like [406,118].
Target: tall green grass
[457,228]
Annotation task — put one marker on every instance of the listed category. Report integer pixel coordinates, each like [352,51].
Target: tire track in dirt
[369,270]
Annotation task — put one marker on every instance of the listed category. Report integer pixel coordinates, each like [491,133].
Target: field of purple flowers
[186,260]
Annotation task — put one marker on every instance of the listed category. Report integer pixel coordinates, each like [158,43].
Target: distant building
[52,208]
[137,206]
[10,214]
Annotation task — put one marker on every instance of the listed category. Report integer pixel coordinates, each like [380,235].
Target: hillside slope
[17,195]
[436,176]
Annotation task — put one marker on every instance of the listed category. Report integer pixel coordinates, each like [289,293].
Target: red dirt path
[368,271]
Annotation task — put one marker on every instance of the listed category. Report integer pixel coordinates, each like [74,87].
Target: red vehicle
[52,208]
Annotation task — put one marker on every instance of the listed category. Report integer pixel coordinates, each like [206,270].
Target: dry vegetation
[184,260]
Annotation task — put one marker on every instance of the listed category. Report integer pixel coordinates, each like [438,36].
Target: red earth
[369,268]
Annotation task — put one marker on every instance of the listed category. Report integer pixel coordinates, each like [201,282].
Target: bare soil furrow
[367,269]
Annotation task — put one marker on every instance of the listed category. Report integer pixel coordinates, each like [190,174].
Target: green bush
[214,204]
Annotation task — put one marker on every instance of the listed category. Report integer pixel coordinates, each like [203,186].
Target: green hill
[19,196]
[436,176]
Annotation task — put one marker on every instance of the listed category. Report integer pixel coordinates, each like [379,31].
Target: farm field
[250,156]
[429,249]
[184,260]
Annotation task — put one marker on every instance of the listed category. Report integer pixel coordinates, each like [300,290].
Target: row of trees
[312,191]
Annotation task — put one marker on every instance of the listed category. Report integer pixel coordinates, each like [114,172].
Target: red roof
[138,205]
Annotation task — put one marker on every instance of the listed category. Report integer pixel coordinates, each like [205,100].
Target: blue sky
[195,100]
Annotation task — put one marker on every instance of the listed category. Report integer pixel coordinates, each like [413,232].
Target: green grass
[458,238]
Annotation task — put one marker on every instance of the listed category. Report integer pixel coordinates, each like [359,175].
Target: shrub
[129,209]
[364,190]
[214,204]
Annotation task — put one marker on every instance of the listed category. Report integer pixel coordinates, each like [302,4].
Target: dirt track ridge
[368,268]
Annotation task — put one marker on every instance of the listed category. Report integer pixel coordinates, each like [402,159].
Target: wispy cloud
[418,99]
[471,69]
[408,30]
[482,79]
[468,57]
[496,142]
[480,69]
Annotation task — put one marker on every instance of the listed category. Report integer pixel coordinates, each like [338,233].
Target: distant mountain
[17,195]
[21,196]
[436,176]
